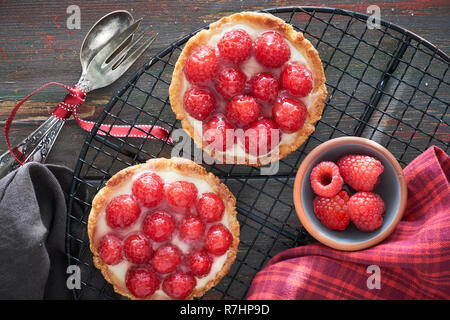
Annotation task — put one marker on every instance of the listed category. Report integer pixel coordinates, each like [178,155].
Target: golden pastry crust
[187,168]
[301,44]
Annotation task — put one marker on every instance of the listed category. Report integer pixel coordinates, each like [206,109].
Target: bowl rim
[297,194]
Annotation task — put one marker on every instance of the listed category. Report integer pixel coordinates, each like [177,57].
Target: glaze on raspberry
[110,249]
[297,79]
[230,82]
[137,248]
[142,281]
[261,136]
[257,79]
[210,207]
[289,114]
[199,263]
[235,45]
[122,211]
[243,110]
[264,86]
[166,258]
[191,228]
[159,226]
[218,239]
[181,194]
[179,285]
[201,65]
[219,133]
[148,189]
[199,103]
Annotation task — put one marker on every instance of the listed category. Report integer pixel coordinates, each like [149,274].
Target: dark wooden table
[36,47]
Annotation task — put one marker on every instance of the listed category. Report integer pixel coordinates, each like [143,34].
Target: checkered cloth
[414,262]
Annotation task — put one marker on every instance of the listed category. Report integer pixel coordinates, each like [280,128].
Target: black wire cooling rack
[385,84]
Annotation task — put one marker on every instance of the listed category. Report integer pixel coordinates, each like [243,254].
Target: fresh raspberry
[366,210]
[296,79]
[235,45]
[271,50]
[219,133]
[230,82]
[333,212]
[200,263]
[218,239]
[201,65]
[326,180]
[243,110]
[137,248]
[210,207]
[181,194]
[141,281]
[360,172]
[191,228]
[179,285]
[148,189]
[199,103]
[289,114]
[261,137]
[166,258]
[264,86]
[158,226]
[110,249]
[122,211]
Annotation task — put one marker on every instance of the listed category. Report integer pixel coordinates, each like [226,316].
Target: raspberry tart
[165,229]
[248,90]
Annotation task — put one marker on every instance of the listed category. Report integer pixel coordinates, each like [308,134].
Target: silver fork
[105,66]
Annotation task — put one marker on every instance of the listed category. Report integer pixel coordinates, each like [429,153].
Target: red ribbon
[69,106]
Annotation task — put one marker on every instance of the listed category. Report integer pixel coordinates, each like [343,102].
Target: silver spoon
[103,60]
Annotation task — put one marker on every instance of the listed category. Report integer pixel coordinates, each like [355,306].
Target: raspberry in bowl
[164,229]
[350,193]
[248,74]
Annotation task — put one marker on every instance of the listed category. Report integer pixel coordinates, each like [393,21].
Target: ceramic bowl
[392,189]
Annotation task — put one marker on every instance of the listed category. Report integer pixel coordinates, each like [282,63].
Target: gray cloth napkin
[32,232]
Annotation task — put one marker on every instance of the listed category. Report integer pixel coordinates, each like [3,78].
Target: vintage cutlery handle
[35,147]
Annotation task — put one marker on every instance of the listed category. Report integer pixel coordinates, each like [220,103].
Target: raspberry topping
[122,211]
[264,86]
[218,239]
[191,228]
[333,211]
[326,180]
[271,50]
[261,137]
[199,103]
[166,258]
[235,45]
[179,285]
[366,210]
[219,133]
[289,114]
[297,79]
[210,207]
[243,110]
[142,281]
[181,194]
[110,249]
[360,172]
[201,65]
[148,189]
[158,226]
[230,82]
[200,263]
[137,248]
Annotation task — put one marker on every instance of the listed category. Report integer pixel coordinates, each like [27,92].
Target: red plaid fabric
[414,261]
